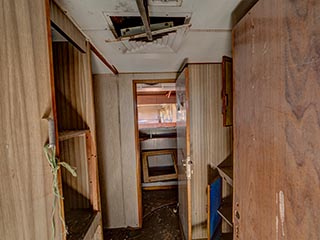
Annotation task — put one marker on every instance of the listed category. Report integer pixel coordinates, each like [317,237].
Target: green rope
[50,152]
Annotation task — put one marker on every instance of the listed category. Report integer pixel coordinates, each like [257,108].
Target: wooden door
[183,149]
[277,121]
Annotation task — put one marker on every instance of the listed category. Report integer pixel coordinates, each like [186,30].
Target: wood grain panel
[65,26]
[113,106]
[109,150]
[75,111]
[75,189]
[26,179]
[277,128]
[210,141]
[183,150]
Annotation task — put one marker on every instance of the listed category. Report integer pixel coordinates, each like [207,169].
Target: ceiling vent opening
[166,3]
[168,32]
[133,25]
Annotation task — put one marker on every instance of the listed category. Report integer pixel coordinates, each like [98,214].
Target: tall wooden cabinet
[276,121]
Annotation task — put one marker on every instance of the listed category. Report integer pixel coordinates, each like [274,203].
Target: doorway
[156,150]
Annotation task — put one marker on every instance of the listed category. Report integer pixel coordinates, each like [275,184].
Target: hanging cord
[50,152]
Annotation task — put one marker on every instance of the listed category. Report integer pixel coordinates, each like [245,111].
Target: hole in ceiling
[168,3]
[132,25]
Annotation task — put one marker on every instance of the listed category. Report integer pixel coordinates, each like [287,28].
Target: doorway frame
[136,137]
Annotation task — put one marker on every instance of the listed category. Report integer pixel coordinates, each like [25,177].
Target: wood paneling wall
[210,141]
[277,116]
[74,99]
[213,141]
[111,122]
[109,150]
[26,179]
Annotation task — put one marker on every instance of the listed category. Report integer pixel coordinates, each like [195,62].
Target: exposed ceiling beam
[144,13]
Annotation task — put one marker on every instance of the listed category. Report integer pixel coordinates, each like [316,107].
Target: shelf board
[65,135]
[225,211]
[226,236]
[226,170]
[78,222]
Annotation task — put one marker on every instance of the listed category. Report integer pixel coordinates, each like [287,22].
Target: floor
[160,219]
[78,222]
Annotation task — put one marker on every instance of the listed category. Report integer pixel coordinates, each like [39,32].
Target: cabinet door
[26,181]
[276,121]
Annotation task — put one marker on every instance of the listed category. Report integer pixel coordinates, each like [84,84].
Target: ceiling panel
[207,41]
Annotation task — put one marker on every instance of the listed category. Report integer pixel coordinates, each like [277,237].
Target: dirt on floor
[160,219]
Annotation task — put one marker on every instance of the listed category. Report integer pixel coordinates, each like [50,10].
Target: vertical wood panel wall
[109,150]
[116,116]
[277,116]
[26,179]
[210,141]
[74,111]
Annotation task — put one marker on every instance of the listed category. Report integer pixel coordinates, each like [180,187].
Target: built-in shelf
[225,211]
[65,135]
[80,221]
[226,236]
[226,170]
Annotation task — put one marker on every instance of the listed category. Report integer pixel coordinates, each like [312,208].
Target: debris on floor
[160,219]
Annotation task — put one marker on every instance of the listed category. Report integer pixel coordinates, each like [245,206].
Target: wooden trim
[160,187]
[189,189]
[61,22]
[138,164]
[208,210]
[97,197]
[65,135]
[240,11]
[54,111]
[92,172]
[102,59]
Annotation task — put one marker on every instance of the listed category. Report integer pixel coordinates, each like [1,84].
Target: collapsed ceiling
[197,30]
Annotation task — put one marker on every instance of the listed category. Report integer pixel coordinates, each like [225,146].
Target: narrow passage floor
[160,219]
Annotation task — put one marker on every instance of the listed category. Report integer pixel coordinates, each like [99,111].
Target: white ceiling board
[211,49]
[201,44]
[97,66]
